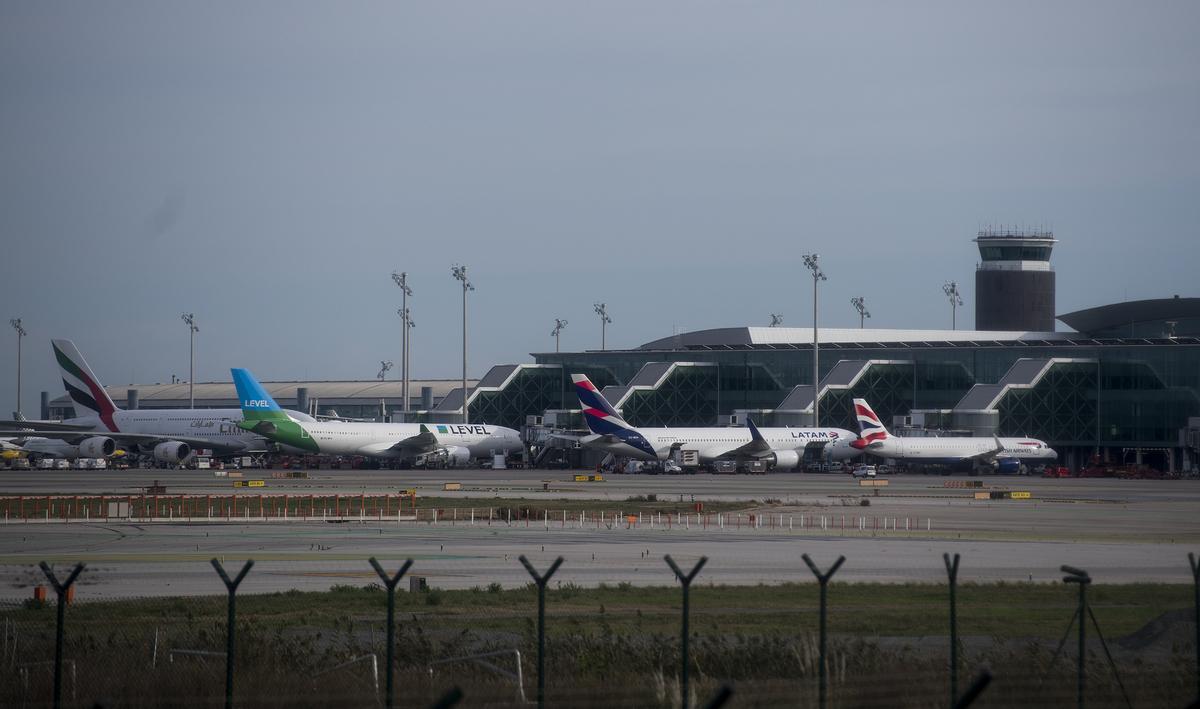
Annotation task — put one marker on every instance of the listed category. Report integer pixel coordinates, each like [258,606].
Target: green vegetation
[617,645]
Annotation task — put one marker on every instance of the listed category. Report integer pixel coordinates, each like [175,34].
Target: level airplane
[458,443]
[1005,454]
[781,448]
[170,435]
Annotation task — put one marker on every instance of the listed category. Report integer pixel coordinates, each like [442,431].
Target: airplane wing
[988,453]
[756,448]
[45,425]
[423,441]
[74,437]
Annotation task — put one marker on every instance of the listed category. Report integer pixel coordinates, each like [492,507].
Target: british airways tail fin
[870,428]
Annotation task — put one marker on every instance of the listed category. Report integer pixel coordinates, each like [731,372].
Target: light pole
[951,291]
[460,274]
[405,360]
[16,323]
[860,304]
[602,310]
[384,366]
[558,328]
[776,320]
[190,319]
[401,279]
[810,260]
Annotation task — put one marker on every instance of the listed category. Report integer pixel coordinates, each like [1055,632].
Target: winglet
[256,403]
[754,433]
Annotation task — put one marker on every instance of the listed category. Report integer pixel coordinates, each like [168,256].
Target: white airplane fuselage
[717,442]
[954,450]
[378,439]
[218,428]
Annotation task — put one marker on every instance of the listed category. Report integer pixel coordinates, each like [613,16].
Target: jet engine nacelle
[786,460]
[97,447]
[171,452]
[458,455]
[1008,466]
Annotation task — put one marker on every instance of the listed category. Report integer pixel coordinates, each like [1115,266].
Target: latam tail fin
[85,389]
[870,428]
[256,403]
[600,415]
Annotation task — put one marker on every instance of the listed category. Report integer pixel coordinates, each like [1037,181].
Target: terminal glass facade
[1142,394]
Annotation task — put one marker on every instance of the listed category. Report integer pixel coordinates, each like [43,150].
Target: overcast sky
[267,165]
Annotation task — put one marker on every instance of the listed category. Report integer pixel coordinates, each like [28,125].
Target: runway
[1120,531]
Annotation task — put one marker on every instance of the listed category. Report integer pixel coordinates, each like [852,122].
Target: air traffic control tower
[1014,284]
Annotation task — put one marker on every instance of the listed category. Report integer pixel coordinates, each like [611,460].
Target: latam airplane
[458,443]
[170,435]
[1005,454]
[781,448]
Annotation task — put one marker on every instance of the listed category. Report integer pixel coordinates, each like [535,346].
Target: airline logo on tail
[603,419]
[256,403]
[870,428]
[82,385]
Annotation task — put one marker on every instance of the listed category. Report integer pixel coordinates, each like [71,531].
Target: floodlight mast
[951,291]
[460,274]
[776,320]
[860,304]
[558,328]
[401,280]
[810,261]
[190,319]
[16,324]
[602,310]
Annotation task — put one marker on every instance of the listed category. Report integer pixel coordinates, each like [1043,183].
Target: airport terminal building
[1125,385]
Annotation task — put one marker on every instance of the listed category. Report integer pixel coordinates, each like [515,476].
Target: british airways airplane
[781,448]
[1006,454]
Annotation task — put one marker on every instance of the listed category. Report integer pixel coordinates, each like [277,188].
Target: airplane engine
[786,460]
[1008,466]
[171,452]
[458,455]
[97,447]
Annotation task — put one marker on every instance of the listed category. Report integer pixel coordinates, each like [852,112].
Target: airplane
[1005,454]
[781,448]
[170,435]
[457,443]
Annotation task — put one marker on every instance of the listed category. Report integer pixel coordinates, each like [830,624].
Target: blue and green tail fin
[256,403]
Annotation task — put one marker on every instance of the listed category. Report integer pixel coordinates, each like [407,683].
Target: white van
[865,471]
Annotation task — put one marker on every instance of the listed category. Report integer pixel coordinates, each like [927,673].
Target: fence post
[231,628]
[390,583]
[1080,577]
[1195,564]
[968,698]
[952,571]
[541,581]
[823,579]
[685,580]
[61,590]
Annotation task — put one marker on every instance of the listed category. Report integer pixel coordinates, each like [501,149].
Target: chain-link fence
[396,641]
